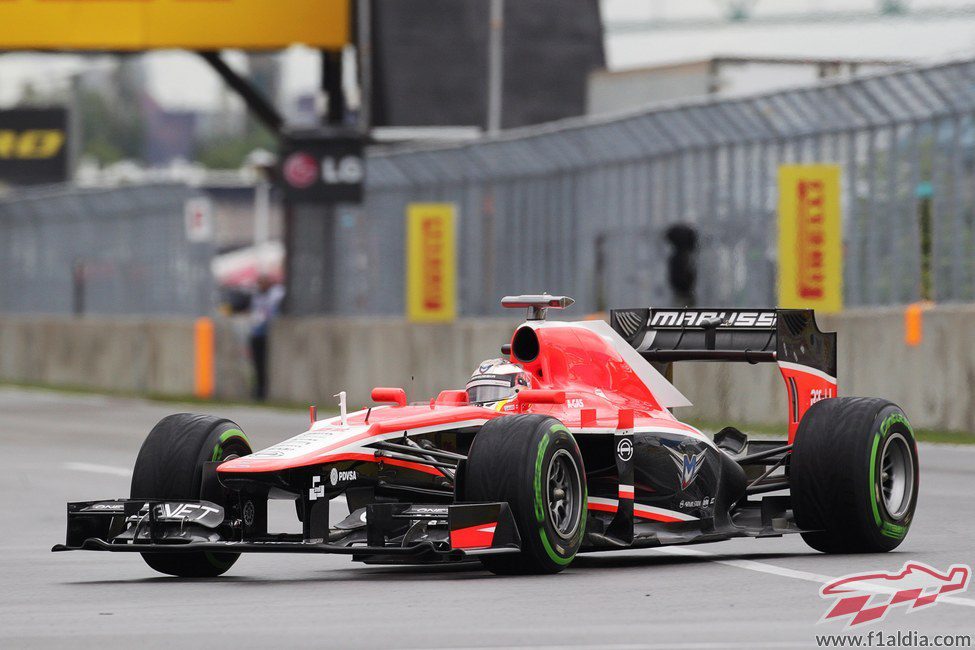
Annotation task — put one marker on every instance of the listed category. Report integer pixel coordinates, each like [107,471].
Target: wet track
[741,593]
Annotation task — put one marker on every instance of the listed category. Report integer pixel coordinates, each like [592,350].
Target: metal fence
[106,251]
[580,207]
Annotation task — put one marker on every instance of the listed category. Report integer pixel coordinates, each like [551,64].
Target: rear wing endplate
[790,338]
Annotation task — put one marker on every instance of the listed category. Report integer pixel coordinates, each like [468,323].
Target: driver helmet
[496,380]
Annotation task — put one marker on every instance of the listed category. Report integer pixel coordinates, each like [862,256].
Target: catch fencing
[102,251]
[581,206]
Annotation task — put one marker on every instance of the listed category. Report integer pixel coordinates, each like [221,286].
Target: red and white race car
[565,445]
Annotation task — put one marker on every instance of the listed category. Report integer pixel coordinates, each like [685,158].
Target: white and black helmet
[496,380]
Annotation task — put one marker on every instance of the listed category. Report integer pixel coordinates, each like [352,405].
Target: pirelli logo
[811,275]
[810,238]
[31,144]
[433,258]
[431,267]
[681,319]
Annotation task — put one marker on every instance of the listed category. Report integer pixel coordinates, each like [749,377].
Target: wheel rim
[897,475]
[564,493]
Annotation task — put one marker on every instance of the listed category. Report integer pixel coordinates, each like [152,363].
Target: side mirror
[395,396]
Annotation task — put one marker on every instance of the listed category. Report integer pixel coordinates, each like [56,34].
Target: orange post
[203,345]
[913,323]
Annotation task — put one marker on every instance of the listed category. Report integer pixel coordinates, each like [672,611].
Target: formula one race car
[565,446]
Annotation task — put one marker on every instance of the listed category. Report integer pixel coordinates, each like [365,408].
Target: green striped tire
[533,463]
[170,466]
[854,475]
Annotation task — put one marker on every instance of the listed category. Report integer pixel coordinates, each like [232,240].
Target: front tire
[854,475]
[534,464]
[170,466]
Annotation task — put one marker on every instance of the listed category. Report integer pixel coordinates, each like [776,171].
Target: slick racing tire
[854,475]
[533,463]
[170,466]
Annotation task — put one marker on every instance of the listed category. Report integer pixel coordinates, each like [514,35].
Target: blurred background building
[594,162]
[430,61]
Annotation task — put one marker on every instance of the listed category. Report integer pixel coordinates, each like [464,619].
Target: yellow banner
[431,263]
[152,24]
[810,238]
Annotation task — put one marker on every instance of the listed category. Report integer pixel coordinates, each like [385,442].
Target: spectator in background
[682,264]
[265,305]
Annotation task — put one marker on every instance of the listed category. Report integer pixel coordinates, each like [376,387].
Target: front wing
[393,532]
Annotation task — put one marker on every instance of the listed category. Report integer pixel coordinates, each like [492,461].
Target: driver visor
[489,390]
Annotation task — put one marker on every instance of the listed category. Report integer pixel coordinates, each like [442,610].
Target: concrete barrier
[314,358]
[311,358]
[119,354]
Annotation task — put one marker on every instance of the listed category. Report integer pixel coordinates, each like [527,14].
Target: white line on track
[762,567]
[98,469]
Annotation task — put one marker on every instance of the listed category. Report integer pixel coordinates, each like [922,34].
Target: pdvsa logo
[30,144]
[335,476]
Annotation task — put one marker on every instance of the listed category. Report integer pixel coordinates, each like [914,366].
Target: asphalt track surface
[736,594]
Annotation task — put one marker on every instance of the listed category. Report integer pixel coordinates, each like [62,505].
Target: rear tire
[170,466]
[854,475]
[533,463]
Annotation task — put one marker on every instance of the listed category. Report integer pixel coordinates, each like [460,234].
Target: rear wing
[790,338]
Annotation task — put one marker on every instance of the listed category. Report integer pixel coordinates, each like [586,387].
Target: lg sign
[300,170]
[323,169]
[342,170]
